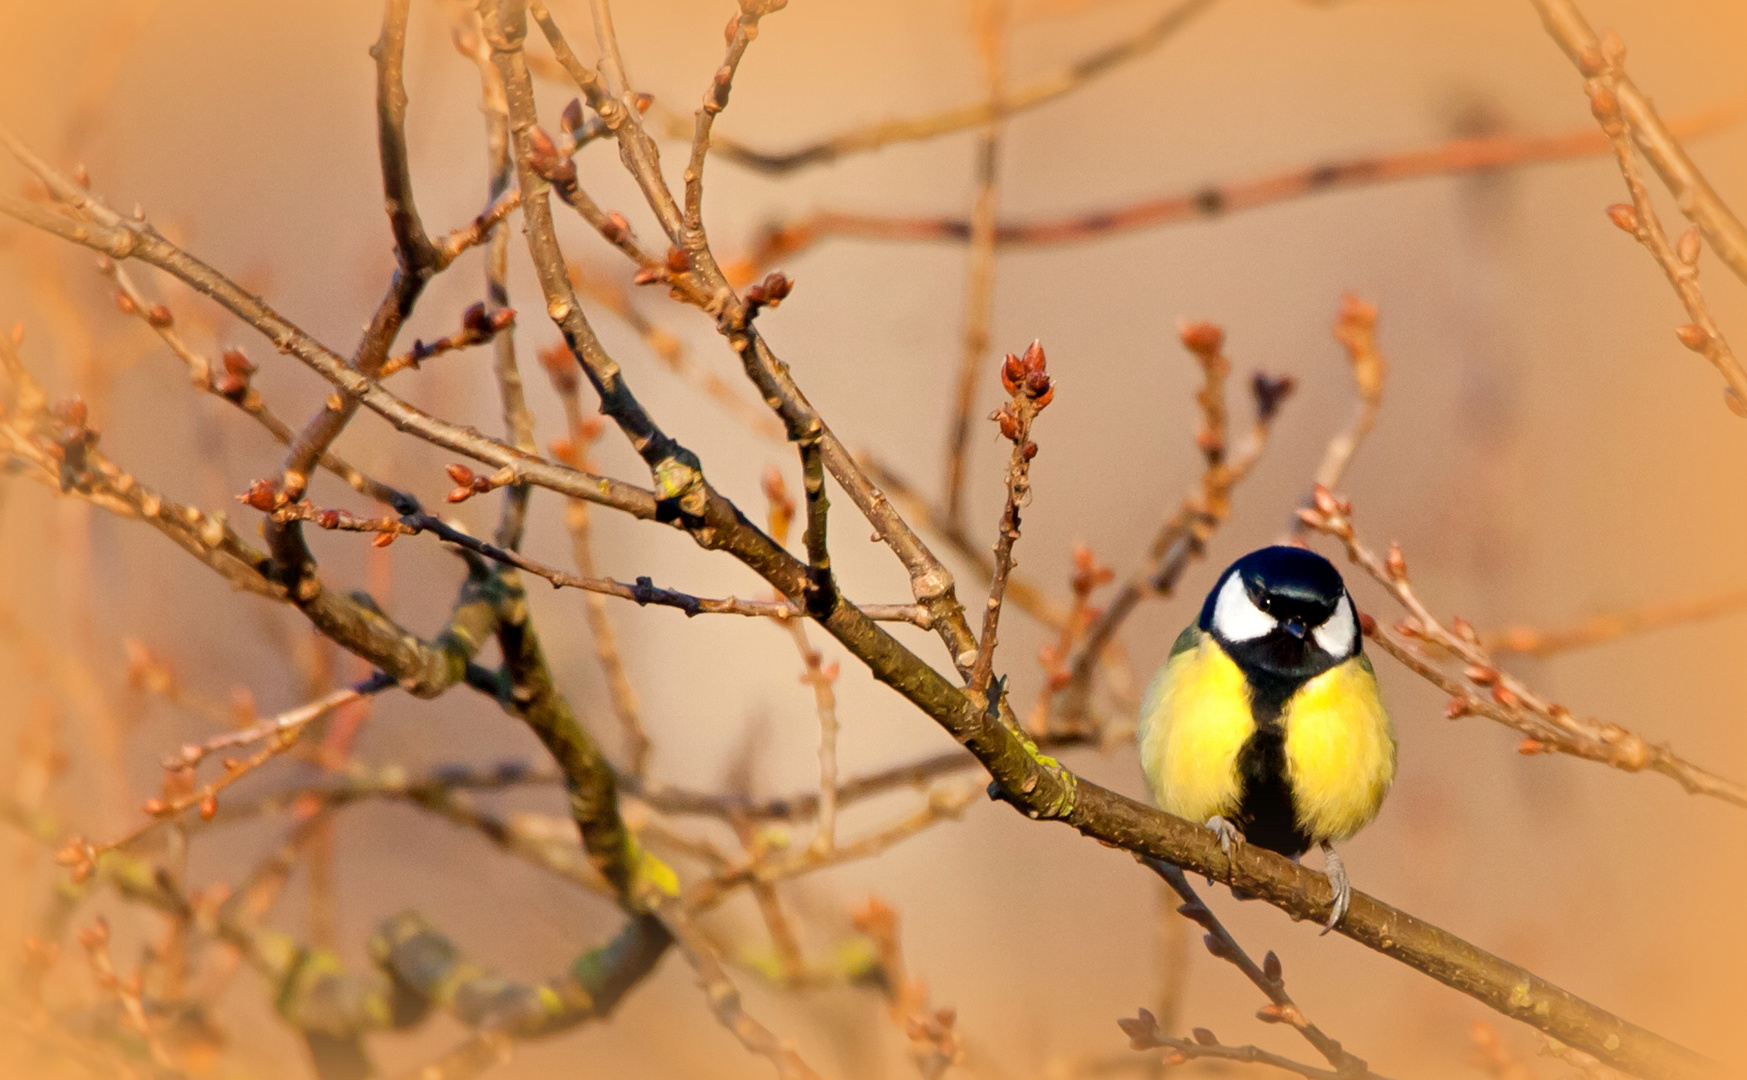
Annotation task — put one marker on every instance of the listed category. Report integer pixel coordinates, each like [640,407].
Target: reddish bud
[1505,696]
[328,519]
[383,539]
[1012,371]
[1028,451]
[124,304]
[1687,247]
[461,474]
[1481,676]
[96,935]
[1604,105]
[1624,216]
[678,260]
[643,102]
[1465,630]
[209,806]
[1395,564]
[1693,336]
[155,807]
[1456,708]
[571,118]
[1367,624]
[237,363]
[1531,746]
[1201,338]
[262,495]
[159,316]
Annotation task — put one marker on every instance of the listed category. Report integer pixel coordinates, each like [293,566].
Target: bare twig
[964,117]
[724,1000]
[1485,690]
[1183,537]
[1356,329]
[1605,83]
[1450,158]
[1597,629]
[1659,140]
[989,26]
[1027,380]
[1281,1009]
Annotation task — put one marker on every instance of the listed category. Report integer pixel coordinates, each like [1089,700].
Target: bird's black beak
[1296,627]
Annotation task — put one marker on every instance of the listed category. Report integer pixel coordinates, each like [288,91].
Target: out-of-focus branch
[1183,537]
[1356,330]
[1266,976]
[1597,629]
[724,1000]
[1678,260]
[1659,140]
[963,117]
[1485,690]
[989,26]
[1451,158]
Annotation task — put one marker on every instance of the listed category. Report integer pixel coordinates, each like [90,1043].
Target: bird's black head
[1283,611]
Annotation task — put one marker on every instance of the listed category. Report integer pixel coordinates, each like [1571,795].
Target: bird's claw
[1227,833]
[1336,871]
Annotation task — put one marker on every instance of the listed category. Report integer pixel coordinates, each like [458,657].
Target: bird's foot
[1227,833]
[1337,880]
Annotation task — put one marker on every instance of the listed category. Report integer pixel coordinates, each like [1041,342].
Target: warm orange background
[1547,451]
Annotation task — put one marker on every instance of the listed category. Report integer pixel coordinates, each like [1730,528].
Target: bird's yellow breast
[1195,722]
[1340,750]
[1339,741]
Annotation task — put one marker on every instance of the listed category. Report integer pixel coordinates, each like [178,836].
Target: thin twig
[1450,158]
[1659,140]
[989,25]
[964,117]
[1490,692]
[1597,629]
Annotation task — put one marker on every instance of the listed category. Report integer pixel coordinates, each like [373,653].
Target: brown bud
[461,474]
[1687,247]
[1204,1037]
[1456,708]
[475,321]
[1028,451]
[1201,338]
[617,229]
[1367,624]
[1480,676]
[678,260]
[159,316]
[1604,105]
[1395,564]
[328,519]
[1012,371]
[1590,61]
[1613,49]
[1271,966]
[237,363]
[1270,393]
[262,495]
[1624,216]
[1693,336]
[571,118]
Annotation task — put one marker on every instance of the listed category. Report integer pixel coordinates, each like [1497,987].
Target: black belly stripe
[1265,813]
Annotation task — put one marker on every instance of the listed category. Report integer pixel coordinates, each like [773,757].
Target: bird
[1266,722]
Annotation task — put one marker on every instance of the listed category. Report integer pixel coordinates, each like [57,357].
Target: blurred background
[1546,451]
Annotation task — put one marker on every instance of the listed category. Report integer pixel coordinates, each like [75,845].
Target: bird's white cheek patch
[1236,617]
[1336,635]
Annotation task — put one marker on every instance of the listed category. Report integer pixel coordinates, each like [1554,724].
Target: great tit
[1266,721]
